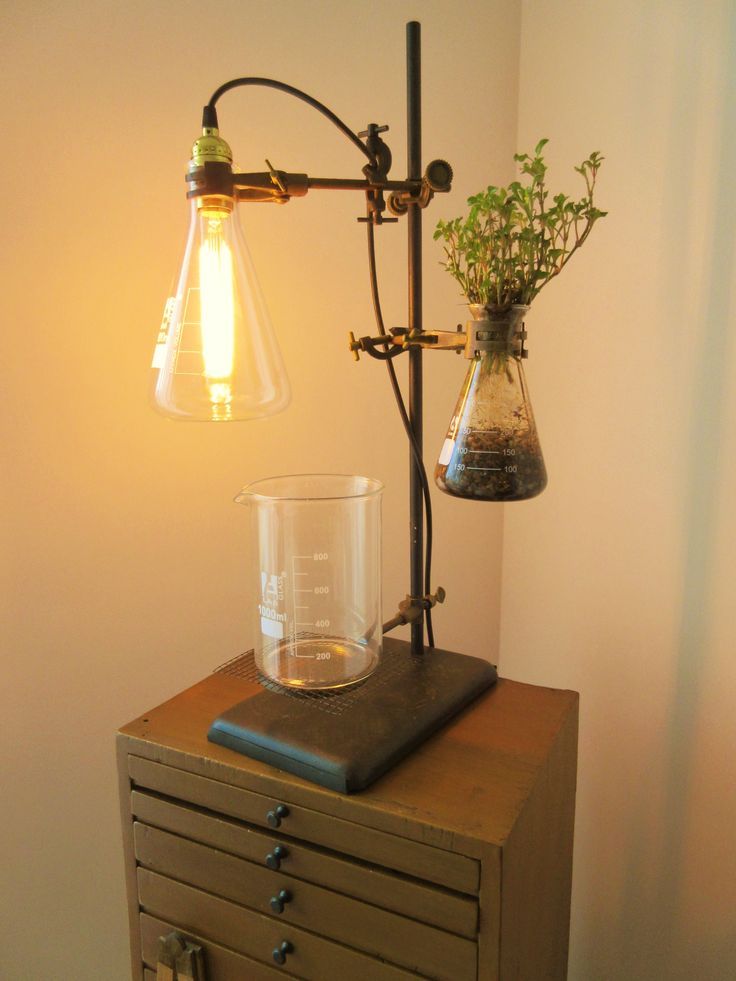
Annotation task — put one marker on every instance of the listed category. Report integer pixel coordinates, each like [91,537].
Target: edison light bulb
[217,311]
[217,357]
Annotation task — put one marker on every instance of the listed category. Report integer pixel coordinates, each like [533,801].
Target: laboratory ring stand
[416,689]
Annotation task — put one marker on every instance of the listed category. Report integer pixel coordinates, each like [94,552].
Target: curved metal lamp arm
[209,113]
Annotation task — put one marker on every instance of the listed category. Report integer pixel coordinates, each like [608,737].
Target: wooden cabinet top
[462,790]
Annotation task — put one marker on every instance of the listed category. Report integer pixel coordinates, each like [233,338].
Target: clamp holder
[376,172]
[437,180]
[382,348]
[413,607]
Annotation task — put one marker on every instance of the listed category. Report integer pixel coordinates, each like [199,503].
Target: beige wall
[123,557]
[618,581]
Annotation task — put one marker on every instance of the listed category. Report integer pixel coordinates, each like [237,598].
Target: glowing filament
[218,313]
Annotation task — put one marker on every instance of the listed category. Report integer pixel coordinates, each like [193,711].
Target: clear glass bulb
[217,358]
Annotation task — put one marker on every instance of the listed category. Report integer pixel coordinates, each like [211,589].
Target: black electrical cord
[209,120]
[416,453]
[209,115]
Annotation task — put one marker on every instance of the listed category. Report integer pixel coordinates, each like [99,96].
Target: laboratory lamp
[217,359]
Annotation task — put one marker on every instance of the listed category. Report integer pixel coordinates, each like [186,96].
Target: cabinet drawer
[403,941]
[430,904]
[448,869]
[221,964]
[247,932]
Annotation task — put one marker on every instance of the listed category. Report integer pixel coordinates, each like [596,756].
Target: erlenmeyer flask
[217,358]
[492,450]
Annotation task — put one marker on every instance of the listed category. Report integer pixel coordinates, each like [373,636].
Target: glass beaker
[316,578]
[492,450]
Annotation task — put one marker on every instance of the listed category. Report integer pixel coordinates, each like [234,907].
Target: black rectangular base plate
[346,747]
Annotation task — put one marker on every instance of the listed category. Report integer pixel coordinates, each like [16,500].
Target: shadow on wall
[663,893]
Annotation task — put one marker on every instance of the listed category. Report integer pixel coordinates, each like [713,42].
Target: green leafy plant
[516,238]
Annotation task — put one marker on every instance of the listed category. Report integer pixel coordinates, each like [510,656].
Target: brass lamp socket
[210,146]
[210,169]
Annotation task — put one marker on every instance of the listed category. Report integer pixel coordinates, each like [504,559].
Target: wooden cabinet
[454,866]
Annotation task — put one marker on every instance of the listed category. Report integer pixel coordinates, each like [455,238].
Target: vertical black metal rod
[414,166]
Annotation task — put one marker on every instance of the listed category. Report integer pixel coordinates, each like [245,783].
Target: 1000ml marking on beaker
[272,594]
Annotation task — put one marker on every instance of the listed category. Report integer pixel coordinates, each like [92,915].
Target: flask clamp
[477,337]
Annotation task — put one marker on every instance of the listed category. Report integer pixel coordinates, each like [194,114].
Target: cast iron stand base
[403,702]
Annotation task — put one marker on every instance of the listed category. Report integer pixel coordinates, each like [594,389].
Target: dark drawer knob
[279,954]
[275,816]
[278,902]
[276,857]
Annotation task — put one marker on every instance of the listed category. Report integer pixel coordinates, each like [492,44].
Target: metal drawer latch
[179,960]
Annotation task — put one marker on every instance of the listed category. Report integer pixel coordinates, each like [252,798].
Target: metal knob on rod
[437,179]
[438,176]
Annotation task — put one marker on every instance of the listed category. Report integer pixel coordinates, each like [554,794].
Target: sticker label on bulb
[446,455]
[159,352]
